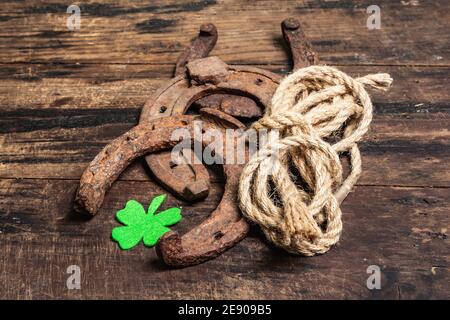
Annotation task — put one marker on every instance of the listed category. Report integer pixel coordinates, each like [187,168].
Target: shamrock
[143,226]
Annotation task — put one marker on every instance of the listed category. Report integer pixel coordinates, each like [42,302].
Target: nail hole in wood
[218,235]
[172,164]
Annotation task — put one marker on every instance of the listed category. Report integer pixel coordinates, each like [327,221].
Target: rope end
[379,81]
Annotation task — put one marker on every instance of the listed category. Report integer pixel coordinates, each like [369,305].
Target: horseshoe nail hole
[203,131]
[259,82]
[172,164]
[218,235]
[162,109]
[128,138]
[153,127]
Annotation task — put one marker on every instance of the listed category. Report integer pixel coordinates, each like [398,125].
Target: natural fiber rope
[292,187]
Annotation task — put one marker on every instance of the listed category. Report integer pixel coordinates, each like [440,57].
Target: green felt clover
[140,225]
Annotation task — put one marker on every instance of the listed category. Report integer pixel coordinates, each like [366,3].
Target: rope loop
[292,187]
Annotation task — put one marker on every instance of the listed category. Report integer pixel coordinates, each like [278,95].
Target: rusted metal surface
[233,105]
[207,77]
[302,52]
[237,106]
[162,114]
[225,226]
[195,184]
[188,181]
[117,155]
[199,48]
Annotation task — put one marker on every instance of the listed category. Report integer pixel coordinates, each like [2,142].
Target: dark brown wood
[403,230]
[127,31]
[65,94]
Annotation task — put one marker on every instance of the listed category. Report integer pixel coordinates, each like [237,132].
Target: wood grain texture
[27,86]
[65,94]
[58,127]
[389,227]
[413,32]
[63,147]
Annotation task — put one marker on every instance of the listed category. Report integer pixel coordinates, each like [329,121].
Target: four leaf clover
[139,225]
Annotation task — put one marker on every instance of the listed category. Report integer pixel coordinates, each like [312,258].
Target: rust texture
[220,231]
[117,155]
[208,77]
[225,88]
[189,181]
[302,52]
[160,116]
[200,47]
[195,185]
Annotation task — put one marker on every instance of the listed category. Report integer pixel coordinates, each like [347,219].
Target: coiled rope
[293,186]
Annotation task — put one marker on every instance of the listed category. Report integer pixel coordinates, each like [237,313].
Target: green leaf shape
[132,214]
[156,203]
[127,236]
[169,217]
[152,235]
[149,227]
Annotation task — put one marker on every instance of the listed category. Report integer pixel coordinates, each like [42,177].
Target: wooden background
[65,94]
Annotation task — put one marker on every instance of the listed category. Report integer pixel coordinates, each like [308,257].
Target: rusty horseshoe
[199,78]
[220,231]
[225,226]
[207,77]
[191,181]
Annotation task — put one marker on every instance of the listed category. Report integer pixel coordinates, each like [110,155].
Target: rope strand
[310,107]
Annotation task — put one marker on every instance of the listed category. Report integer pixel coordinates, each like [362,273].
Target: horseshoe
[225,226]
[163,114]
[191,181]
[207,76]
[201,46]
[160,116]
[301,50]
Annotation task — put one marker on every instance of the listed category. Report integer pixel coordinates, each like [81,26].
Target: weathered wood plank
[60,144]
[64,95]
[26,86]
[60,124]
[402,230]
[412,32]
